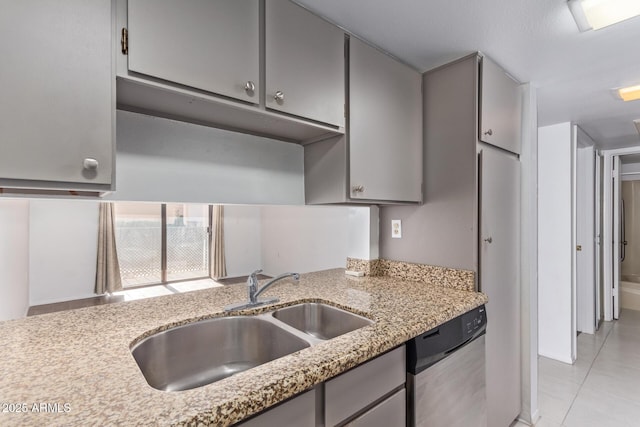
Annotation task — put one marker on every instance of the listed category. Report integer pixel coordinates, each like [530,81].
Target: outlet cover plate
[396,228]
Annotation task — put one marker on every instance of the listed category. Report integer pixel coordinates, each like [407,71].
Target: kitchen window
[162,243]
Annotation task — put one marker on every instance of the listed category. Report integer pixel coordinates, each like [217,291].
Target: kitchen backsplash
[442,276]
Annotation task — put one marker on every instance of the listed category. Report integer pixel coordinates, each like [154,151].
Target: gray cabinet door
[304,61]
[499,279]
[351,392]
[56,81]
[299,411]
[385,127]
[500,108]
[212,45]
[390,412]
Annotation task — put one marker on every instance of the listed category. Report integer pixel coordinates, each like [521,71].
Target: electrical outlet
[396,228]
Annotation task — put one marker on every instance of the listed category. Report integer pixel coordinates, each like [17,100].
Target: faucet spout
[254,290]
[267,285]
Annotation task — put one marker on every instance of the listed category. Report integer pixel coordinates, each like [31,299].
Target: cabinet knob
[250,88]
[90,164]
[489,239]
[358,188]
[489,132]
[279,97]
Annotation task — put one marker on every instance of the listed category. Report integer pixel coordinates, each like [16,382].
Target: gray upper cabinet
[385,127]
[380,160]
[57,84]
[500,107]
[304,59]
[212,45]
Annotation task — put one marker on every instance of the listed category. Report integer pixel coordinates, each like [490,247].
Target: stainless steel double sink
[206,351]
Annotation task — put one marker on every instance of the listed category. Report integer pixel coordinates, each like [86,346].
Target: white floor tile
[552,408]
[593,408]
[613,379]
[546,422]
[603,387]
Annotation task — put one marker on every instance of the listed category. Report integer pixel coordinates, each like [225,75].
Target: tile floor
[602,389]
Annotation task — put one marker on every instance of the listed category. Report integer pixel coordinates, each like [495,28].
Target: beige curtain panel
[218,263]
[108,269]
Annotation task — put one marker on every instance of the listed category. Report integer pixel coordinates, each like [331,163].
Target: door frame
[598,235]
[609,234]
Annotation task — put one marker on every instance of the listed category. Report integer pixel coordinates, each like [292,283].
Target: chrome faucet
[254,291]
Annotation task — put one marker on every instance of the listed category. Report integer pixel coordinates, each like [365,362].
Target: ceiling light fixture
[596,14]
[631,93]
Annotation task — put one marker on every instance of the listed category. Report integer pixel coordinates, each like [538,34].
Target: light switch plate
[396,228]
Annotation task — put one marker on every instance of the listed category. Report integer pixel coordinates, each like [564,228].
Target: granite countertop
[79,362]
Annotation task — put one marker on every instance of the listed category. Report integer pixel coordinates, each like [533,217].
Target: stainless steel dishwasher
[446,374]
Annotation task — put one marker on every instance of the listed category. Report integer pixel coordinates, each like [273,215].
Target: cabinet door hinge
[124,42]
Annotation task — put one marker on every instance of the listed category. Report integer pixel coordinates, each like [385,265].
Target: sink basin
[203,352]
[320,320]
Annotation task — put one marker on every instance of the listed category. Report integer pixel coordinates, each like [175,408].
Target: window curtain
[218,262]
[108,269]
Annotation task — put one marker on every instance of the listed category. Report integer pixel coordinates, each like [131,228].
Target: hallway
[602,389]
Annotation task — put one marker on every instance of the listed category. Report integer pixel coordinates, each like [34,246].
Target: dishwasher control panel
[434,345]
[474,320]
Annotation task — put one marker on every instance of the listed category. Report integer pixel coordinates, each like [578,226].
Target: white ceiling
[537,41]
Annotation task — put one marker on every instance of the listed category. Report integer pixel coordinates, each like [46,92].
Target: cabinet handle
[250,88]
[358,188]
[489,239]
[279,97]
[90,164]
[489,132]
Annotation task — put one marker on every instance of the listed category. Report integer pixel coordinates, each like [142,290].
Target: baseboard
[567,360]
[535,417]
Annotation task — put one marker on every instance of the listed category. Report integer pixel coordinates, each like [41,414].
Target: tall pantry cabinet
[471,212]
[493,114]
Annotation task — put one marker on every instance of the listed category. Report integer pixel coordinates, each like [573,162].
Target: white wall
[162,160]
[243,236]
[63,243]
[529,255]
[363,230]
[14,259]
[304,238]
[555,294]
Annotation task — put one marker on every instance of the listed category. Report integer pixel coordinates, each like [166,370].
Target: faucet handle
[255,273]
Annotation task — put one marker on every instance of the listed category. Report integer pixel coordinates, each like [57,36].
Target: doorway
[629,291]
[620,166]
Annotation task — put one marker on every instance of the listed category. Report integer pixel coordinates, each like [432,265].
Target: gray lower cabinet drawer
[349,393]
[390,412]
[299,411]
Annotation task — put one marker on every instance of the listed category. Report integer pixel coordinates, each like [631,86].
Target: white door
[617,230]
[499,279]
[585,240]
